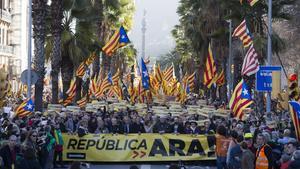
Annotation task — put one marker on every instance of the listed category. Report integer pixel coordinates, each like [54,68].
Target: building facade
[13,37]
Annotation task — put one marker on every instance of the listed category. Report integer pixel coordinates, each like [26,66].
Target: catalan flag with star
[295,114]
[145,75]
[118,40]
[240,99]
[25,109]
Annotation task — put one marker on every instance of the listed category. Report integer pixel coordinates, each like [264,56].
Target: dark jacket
[235,157]
[8,156]
[23,163]
[195,131]
[127,128]
[294,164]
[116,129]
[248,160]
[159,127]
[92,126]
[137,128]
[179,129]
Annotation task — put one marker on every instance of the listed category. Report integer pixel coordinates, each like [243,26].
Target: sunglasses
[34,135]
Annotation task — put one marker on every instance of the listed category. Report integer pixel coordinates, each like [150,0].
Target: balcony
[6,50]
[6,16]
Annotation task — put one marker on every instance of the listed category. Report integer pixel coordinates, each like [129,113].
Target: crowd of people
[257,143]
[35,141]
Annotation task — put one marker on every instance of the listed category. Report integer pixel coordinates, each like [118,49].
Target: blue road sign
[264,78]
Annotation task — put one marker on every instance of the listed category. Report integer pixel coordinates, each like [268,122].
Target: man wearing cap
[249,140]
[194,128]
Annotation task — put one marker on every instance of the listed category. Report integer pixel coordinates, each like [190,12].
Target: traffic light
[293,87]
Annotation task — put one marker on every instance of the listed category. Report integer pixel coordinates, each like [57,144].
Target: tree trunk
[56,29]
[78,88]
[39,34]
[85,87]
[100,27]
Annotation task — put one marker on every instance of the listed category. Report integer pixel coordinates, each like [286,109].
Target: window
[3,36]
[7,42]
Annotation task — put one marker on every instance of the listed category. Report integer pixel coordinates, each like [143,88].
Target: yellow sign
[135,147]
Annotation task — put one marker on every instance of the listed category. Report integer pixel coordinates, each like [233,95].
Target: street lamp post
[29,49]
[269,50]
[229,74]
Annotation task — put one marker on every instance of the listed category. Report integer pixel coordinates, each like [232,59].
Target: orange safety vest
[222,144]
[261,159]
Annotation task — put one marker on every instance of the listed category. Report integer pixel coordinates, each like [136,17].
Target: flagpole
[269,50]
[29,49]
[229,74]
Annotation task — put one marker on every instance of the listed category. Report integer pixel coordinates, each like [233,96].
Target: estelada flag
[118,40]
[295,114]
[240,99]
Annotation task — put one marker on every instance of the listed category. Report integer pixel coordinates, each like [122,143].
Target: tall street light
[229,73]
[269,50]
[29,49]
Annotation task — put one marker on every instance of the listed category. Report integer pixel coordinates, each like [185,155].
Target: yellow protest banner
[135,147]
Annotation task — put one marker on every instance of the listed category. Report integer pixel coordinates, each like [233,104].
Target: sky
[161,17]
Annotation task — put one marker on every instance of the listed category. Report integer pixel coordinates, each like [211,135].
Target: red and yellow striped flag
[240,99]
[93,86]
[251,2]
[116,77]
[82,102]
[243,33]
[105,85]
[158,76]
[90,59]
[191,81]
[80,70]
[118,40]
[168,74]
[118,92]
[210,69]
[72,87]
[69,99]
[221,79]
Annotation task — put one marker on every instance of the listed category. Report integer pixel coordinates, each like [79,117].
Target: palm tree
[56,31]
[39,11]
[112,14]
[78,39]
[78,43]
[200,23]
